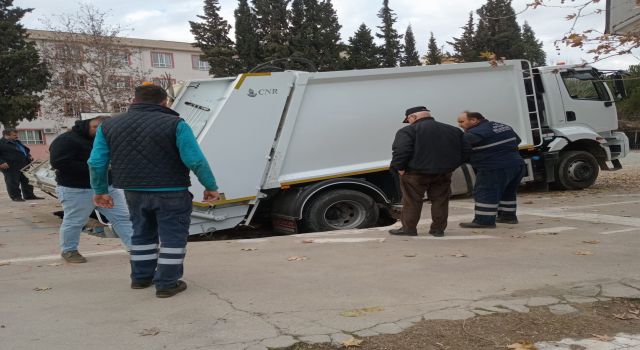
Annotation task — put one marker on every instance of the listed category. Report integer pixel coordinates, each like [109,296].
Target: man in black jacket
[425,154]
[69,153]
[13,157]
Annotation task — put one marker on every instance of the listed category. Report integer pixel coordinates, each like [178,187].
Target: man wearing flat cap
[425,154]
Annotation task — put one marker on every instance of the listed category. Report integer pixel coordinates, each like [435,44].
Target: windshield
[584,85]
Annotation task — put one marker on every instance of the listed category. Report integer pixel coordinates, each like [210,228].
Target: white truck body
[267,134]
[311,151]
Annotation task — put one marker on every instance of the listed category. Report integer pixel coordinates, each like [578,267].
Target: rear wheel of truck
[576,170]
[340,210]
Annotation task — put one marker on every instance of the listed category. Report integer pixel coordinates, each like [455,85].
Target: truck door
[586,100]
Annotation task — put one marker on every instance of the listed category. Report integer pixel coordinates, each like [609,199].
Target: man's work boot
[401,232]
[436,233]
[141,284]
[18,200]
[507,220]
[73,257]
[32,198]
[475,225]
[167,293]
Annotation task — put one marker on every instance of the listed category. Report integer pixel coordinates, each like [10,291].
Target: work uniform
[151,151]
[428,151]
[499,169]
[17,156]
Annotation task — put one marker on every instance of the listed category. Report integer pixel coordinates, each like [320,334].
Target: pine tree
[22,74]
[498,31]
[465,47]
[391,49]
[363,52]
[272,28]
[328,43]
[212,37]
[247,43]
[410,56]
[434,54]
[532,48]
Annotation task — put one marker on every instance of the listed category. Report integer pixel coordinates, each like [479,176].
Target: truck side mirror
[618,87]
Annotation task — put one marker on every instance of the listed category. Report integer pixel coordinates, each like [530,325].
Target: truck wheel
[576,170]
[340,210]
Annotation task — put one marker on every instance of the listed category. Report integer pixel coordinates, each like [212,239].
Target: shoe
[436,233]
[73,257]
[18,200]
[167,293]
[507,220]
[475,225]
[141,284]
[32,198]
[401,232]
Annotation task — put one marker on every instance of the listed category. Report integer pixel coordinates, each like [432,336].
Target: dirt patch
[496,331]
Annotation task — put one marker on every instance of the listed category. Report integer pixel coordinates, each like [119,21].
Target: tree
[629,109]
[247,42]
[434,54]
[212,37]
[532,48]
[22,74]
[410,56]
[272,28]
[391,49]
[328,43]
[465,48]
[498,32]
[362,51]
[93,70]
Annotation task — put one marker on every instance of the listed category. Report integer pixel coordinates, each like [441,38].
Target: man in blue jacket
[14,156]
[499,169]
[151,151]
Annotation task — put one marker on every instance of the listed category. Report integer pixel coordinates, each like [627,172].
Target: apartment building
[158,60]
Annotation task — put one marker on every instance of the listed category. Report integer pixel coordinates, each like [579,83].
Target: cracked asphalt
[570,247]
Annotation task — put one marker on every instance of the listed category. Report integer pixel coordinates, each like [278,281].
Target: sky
[168,20]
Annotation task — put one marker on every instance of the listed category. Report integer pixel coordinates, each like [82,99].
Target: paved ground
[272,292]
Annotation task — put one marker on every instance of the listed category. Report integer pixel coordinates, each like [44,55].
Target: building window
[198,63]
[121,82]
[74,81]
[31,137]
[163,82]
[124,58]
[74,109]
[162,60]
[119,107]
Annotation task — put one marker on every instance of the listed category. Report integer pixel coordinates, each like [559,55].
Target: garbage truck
[310,151]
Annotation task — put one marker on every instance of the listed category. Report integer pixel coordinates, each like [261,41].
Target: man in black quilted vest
[151,151]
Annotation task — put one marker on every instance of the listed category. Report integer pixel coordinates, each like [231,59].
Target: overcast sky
[168,20]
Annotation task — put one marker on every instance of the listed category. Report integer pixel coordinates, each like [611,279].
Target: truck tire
[340,210]
[576,170]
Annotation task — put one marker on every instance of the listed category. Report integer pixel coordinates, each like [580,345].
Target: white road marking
[346,240]
[58,257]
[456,238]
[590,217]
[552,230]
[620,231]
[606,204]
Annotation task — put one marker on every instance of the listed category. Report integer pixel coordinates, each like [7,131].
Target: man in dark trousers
[151,151]
[499,170]
[425,154]
[13,157]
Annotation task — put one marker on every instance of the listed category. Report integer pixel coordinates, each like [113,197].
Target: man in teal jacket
[151,151]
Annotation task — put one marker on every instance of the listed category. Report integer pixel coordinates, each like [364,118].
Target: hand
[103,201]
[211,196]
[401,172]
[4,166]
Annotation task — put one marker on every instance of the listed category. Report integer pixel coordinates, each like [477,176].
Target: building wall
[50,123]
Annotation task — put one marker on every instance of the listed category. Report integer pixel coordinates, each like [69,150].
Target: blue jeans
[77,204]
[495,194]
[160,220]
